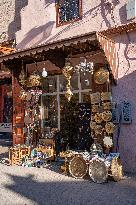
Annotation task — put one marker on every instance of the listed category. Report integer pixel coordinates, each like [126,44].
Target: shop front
[69,108]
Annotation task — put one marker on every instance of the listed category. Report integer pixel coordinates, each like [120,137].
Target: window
[68,10]
[54,100]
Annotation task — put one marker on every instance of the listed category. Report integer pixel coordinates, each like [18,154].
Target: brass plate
[98,171]
[116,169]
[78,167]
[107,116]
[101,76]
[95,98]
[106,96]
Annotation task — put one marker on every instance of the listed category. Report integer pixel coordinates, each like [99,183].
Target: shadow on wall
[128,41]
[124,136]
[58,191]
[40,34]
[48,2]
[103,8]
[33,38]
[15,25]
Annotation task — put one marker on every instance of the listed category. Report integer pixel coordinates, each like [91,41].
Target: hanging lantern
[68,72]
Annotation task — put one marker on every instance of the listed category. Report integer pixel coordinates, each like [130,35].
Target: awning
[119,29]
[104,43]
[41,48]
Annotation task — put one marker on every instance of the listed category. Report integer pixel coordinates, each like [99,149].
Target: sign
[5,127]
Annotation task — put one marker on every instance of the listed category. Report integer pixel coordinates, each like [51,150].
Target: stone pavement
[33,186]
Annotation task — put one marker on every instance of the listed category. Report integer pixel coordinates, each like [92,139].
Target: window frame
[70,21]
[58,93]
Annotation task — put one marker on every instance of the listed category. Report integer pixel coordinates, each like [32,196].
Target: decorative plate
[106,96]
[98,171]
[101,76]
[98,130]
[107,116]
[78,167]
[95,98]
[95,108]
[92,125]
[98,117]
[109,127]
[107,105]
[108,141]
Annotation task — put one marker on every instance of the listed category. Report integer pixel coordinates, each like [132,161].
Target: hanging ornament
[98,130]
[68,72]
[68,94]
[107,105]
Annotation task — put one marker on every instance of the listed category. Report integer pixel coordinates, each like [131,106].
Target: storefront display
[71,110]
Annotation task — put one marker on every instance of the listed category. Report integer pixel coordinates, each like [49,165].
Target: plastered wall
[33,22]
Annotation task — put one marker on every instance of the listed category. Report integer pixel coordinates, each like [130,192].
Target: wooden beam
[6,50]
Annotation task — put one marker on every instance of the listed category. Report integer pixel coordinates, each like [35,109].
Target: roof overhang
[20,54]
[119,29]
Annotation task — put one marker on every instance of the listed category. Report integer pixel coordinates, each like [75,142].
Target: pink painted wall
[38,21]
[126,90]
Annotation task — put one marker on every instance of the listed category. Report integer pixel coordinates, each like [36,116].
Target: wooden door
[18,113]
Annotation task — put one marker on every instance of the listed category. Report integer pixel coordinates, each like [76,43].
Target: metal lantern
[68,72]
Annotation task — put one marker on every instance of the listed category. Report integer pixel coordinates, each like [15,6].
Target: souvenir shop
[62,107]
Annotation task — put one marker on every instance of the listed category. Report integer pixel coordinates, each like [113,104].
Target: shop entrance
[71,118]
